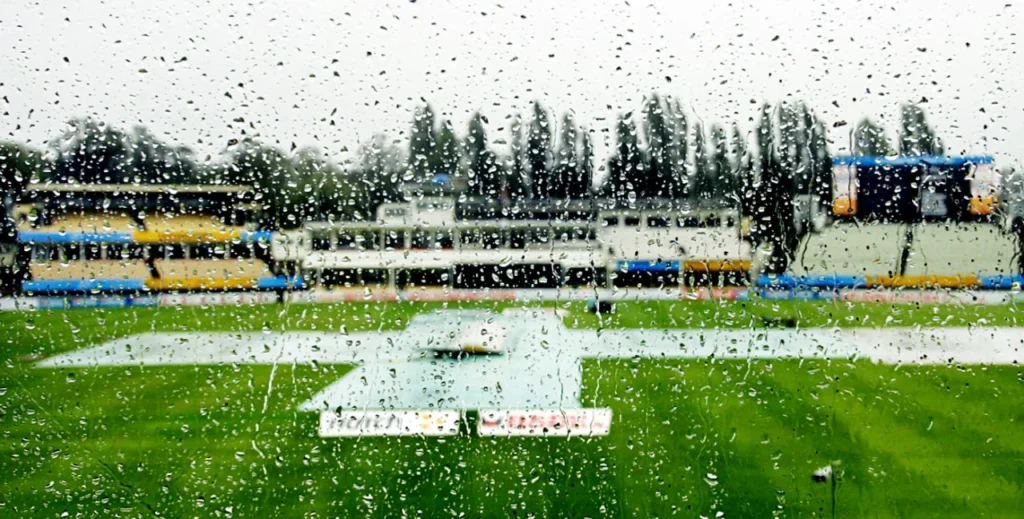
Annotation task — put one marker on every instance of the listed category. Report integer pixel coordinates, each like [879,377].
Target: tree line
[659,152]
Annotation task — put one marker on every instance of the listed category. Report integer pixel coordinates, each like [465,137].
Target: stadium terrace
[888,225]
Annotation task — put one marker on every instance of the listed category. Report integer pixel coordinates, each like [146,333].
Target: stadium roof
[154,197]
[137,188]
[930,160]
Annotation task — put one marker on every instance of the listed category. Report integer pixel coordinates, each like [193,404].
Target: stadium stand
[923,222]
[930,255]
[910,222]
[88,223]
[101,239]
[844,255]
[209,274]
[88,276]
[951,255]
[185,228]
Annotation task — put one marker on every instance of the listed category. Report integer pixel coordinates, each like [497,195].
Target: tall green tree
[566,164]
[423,144]
[447,156]
[91,152]
[702,184]
[266,169]
[625,167]
[517,181]
[917,137]
[300,196]
[19,164]
[583,187]
[819,161]
[662,179]
[777,225]
[149,160]
[485,176]
[538,151]
[721,166]
[869,140]
[336,199]
[743,171]
[680,148]
[790,137]
[376,177]
[765,140]
[773,209]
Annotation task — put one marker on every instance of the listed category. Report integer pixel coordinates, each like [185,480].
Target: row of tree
[916,136]
[667,155]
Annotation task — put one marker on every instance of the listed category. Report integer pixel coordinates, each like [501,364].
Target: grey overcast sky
[188,70]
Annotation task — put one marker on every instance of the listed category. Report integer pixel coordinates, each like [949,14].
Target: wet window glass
[411,258]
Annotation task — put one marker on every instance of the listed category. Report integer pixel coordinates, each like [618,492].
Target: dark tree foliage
[565,177]
[447,156]
[917,136]
[517,183]
[743,171]
[662,177]
[151,161]
[702,184]
[791,159]
[818,165]
[776,225]
[808,156]
[90,152]
[772,204]
[485,177]
[538,152]
[586,169]
[869,140]
[724,188]
[376,179]
[680,146]
[422,144]
[789,137]
[626,166]
[264,168]
[18,166]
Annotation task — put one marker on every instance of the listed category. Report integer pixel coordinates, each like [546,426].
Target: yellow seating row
[92,269]
[175,274]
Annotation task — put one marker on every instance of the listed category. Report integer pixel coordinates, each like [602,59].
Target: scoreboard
[913,189]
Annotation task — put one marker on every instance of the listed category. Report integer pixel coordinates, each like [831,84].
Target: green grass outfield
[690,437]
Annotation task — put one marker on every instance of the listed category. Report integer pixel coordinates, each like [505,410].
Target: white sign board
[388,423]
[556,422]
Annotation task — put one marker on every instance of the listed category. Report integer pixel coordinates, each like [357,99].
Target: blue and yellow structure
[155,275]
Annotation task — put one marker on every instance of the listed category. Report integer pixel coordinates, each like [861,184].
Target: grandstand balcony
[652,246]
[890,255]
[92,276]
[95,238]
[215,274]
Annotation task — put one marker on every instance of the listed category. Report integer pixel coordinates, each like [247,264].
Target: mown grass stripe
[933,473]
